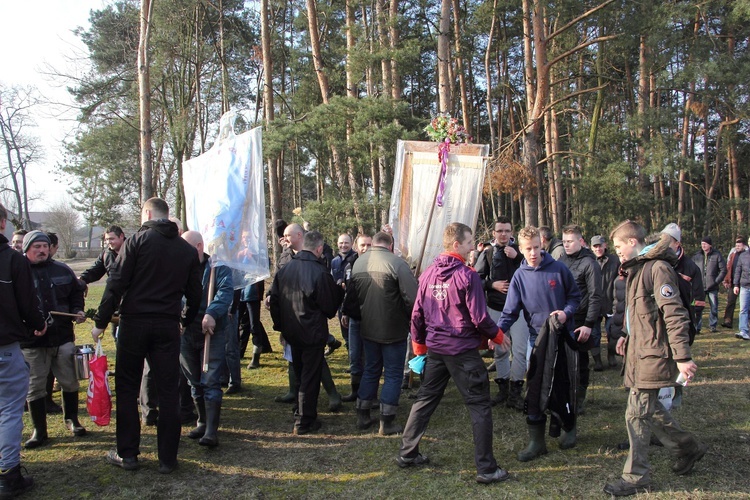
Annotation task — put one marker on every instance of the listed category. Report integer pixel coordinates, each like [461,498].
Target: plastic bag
[417,363]
[98,395]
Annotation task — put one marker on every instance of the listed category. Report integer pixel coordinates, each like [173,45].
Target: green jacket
[385,290]
[656,321]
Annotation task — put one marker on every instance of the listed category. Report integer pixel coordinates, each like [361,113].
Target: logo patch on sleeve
[666,291]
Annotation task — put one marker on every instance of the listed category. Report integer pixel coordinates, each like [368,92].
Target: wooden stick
[207,341]
[60,313]
[429,219]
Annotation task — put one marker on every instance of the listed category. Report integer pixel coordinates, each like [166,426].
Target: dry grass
[259,458]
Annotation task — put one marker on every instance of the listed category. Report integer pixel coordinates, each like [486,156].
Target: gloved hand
[417,363]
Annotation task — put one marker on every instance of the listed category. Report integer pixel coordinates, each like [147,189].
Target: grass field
[259,458]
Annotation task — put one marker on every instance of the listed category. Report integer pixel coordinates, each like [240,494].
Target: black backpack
[686,294]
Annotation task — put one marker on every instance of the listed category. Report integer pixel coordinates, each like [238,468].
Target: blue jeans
[387,359]
[712,298]
[14,385]
[203,385]
[356,349]
[744,309]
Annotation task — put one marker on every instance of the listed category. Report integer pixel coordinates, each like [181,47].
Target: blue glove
[417,363]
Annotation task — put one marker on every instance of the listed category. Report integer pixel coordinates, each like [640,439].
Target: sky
[36,39]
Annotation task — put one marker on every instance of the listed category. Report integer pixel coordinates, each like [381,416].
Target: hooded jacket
[20,310]
[154,270]
[450,312]
[303,298]
[657,323]
[537,291]
[588,277]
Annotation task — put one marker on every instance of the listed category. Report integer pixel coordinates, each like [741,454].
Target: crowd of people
[536,305]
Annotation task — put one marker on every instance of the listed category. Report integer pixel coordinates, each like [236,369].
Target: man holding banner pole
[203,344]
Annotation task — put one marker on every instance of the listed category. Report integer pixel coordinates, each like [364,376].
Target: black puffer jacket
[20,311]
[303,298]
[58,290]
[609,264]
[154,270]
[589,280]
[616,328]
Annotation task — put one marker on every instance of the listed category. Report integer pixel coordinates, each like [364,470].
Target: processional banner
[225,202]
[424,200]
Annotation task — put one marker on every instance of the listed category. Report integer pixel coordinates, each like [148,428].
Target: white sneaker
[738,335]
[745,336]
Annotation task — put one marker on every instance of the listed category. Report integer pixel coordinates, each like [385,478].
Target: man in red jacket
[448,320]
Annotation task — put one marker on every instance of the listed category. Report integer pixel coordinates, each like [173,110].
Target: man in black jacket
[609,265]
[59,292]
[20,313]
[302,299]
[582,264]
[153,271]
[496,265]
[114,237]
[713,269]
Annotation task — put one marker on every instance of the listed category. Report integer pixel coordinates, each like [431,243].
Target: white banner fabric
[225,202]
[414,193]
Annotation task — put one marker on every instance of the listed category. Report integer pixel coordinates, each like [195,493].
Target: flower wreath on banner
[446,131]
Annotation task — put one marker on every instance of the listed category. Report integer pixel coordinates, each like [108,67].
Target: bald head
[196,241]
[294,235]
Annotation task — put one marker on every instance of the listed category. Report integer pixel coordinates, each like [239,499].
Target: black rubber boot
[537,446]
[70,413]
[581,399]
[13,482]
[503,385]
[255,363]
[291,396]
[38,411]
[213,415]
[515,395]
[387,416]
[568,439]
[200,427]
[364,420]
[349,398]
[596,353]
[334,398]
[52,407]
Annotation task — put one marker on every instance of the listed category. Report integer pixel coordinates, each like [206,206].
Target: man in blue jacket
[448,322]
[211,320]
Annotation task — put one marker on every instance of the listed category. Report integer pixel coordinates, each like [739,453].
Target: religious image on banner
[225,200]
[435,184]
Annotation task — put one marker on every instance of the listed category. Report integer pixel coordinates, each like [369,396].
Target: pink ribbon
[443,150]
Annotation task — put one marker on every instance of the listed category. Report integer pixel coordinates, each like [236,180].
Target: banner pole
[207,340]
